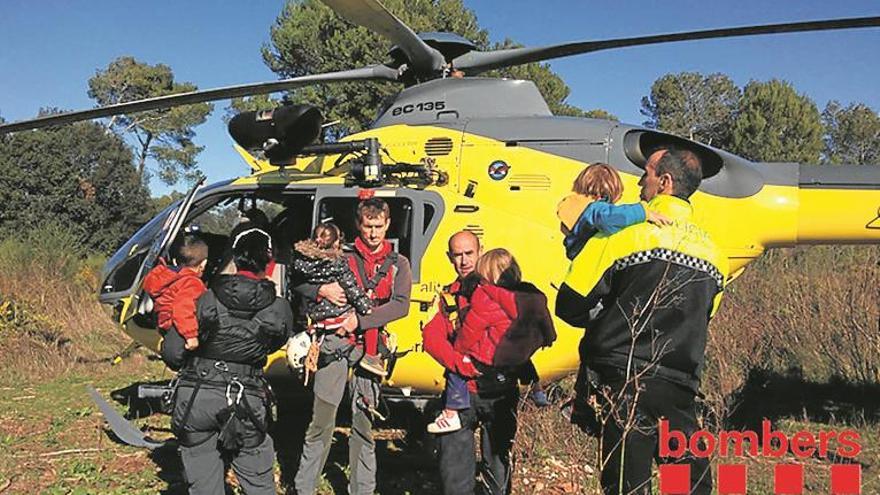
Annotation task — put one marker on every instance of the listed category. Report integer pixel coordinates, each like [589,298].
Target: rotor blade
[475,62]
[372,15]
[379,72]
[124,430]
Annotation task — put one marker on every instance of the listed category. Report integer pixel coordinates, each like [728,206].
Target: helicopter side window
[217,222]
[123,267]
[288,217]
[292,224]
[428,217]
[222,217]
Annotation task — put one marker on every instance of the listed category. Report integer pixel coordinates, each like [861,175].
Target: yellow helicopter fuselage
[515,208]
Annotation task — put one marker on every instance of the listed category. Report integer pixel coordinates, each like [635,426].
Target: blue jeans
[456,395]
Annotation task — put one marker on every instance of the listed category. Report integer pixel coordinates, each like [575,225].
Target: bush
[52,248]
[810,312]
[50,314]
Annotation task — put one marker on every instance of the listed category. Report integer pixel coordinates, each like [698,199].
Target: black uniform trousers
[496,417]
[628,451]
[203,458]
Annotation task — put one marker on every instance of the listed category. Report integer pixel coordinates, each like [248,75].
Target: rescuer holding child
[385,276]
[175,288]
[658,288]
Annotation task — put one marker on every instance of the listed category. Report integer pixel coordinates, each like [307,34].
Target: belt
[216,374]
[325,358]
[200,365]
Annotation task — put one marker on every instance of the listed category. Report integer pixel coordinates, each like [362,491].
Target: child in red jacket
[501,306]
[175,290]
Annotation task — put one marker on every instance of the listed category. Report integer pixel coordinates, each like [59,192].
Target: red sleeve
[151,283]
[154,281]
[183,310]
[435,337]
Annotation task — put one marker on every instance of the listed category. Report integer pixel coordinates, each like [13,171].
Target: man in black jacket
[222,402]
[646,295]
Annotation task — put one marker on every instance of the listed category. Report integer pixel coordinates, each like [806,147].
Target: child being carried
[175,288]
[320,261]
[592,209]
[505,322]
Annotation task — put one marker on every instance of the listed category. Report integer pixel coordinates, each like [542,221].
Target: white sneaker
[445,425]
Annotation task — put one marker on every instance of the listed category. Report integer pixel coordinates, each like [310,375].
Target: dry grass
[49,315]
[806,312]
[551,455]
[806,317]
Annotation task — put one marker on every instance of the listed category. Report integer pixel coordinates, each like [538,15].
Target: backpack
[531,330]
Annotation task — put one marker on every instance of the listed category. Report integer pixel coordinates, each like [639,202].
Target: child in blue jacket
[592,209]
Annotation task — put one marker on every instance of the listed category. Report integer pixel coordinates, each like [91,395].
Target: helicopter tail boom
[839,204]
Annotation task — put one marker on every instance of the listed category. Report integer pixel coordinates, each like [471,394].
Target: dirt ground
[53,441]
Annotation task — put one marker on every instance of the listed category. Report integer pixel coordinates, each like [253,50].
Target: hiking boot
[444,424]
[373,364]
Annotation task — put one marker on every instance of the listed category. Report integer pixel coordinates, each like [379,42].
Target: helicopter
[452,153]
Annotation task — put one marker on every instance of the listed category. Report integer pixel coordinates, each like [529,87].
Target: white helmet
[298,349]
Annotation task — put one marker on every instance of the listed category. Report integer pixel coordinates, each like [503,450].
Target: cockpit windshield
[120,272]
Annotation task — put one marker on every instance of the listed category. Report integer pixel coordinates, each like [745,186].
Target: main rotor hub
[450,45]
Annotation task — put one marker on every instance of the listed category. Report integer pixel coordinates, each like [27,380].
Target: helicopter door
[170,230]
[113,292]
[415,219]
[415,216]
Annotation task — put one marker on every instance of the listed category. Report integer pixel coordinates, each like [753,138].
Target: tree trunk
[145,147]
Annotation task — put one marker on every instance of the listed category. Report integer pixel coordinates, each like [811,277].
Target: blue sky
[50,48]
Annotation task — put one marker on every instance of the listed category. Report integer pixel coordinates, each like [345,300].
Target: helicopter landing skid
[125,431]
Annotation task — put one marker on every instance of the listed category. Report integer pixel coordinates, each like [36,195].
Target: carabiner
[229,400]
